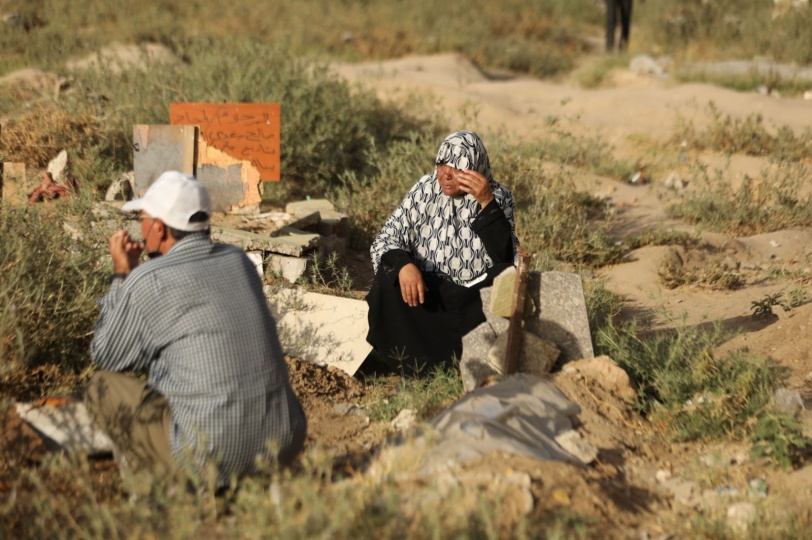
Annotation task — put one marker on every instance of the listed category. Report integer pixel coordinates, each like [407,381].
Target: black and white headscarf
[435,228]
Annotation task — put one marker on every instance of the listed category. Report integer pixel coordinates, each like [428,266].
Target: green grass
[723,29]
[778,200]
[536,37]
[746,136]
[427,396]
[695,395]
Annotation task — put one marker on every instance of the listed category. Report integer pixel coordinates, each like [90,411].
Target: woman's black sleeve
[392,261]
[493,228]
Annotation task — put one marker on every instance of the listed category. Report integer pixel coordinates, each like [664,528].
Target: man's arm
[121,337]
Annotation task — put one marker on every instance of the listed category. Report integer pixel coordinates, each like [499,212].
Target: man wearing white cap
[195,315]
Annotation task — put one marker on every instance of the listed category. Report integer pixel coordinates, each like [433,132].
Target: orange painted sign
[244,131]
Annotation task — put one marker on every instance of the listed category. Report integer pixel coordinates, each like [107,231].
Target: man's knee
[97,393]
[112,398]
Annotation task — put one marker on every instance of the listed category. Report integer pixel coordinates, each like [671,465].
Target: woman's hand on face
[477,185]
[412,287]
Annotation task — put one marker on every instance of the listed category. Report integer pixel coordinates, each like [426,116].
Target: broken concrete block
[504,285]
[502,292]
[122,188]
[321,328]
[474,364]
[230,191]
[483,356]
[537,356]
[572,441]
[334,223]
[560,313]
[293,245]
[332,244]
[14,184]
[298,208]
[157,149]
[404,421]
[58,168]
[498,324]
[68,425]
[303,221]
[788,402]
[290,268]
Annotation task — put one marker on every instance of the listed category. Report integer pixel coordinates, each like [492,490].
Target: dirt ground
[640,485]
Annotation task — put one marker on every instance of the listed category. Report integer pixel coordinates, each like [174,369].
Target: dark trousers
[624,7]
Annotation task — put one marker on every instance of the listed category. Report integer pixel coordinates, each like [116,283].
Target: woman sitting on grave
[449,237]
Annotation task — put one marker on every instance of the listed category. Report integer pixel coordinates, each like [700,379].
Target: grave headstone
[246,132]
[560,313]
[160,148]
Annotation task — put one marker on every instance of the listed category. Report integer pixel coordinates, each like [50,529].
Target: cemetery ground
[684,208]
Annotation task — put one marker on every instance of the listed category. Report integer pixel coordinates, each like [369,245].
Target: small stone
[580,448]
[788,402]
[122,188]
[683,491]
[561,497]
[662,475]
[58,168]
[741,515]
[405,419]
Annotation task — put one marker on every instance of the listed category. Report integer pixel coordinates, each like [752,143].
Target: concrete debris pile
[304,229]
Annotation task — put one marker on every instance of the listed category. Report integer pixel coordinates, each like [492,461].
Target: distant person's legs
[625,22]
[611,22]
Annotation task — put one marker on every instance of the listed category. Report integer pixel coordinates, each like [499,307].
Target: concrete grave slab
[161,148]
[334,223]
[298,208]
[291,268]
[68,425]
[303,221]
[560,313]
[321,328]
[293,245]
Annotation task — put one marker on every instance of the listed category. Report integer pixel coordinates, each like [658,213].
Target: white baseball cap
[173,198]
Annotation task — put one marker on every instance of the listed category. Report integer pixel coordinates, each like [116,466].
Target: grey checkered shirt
[198,319]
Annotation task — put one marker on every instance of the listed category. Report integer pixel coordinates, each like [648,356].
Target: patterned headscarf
[435,228]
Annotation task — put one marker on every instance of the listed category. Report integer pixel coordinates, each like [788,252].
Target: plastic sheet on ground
[523,414]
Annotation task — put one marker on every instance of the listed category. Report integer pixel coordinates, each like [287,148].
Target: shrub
[694,395]
[50,284]
[774,202]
